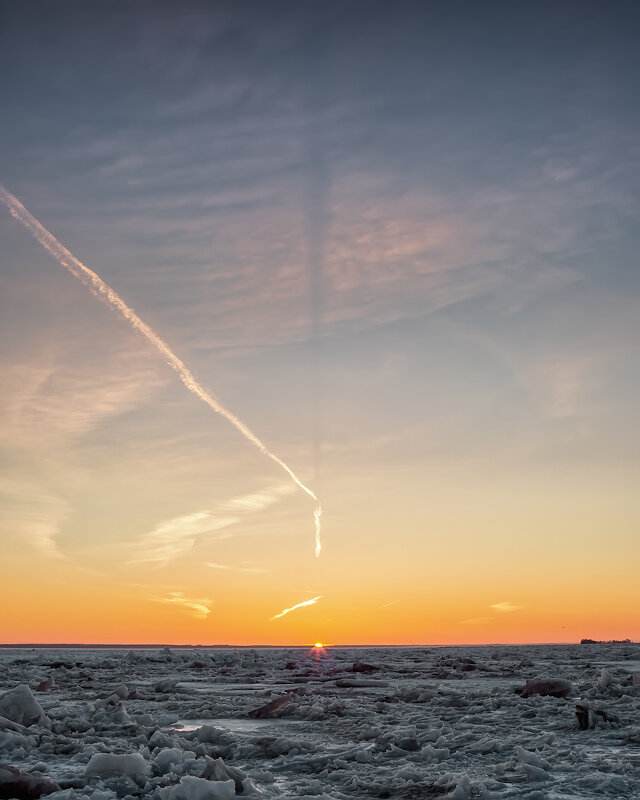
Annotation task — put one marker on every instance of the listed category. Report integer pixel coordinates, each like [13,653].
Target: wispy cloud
[197,607]
[258,500]
[45,402]
[32,513]
[505,607]
[478,203]
[176,536]
[228,567]
[297,605]
[392,251]
[46,407]
[399,257]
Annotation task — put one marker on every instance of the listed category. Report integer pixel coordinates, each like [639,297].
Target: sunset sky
[400,242]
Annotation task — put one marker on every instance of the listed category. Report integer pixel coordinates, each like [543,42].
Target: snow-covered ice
[540,722]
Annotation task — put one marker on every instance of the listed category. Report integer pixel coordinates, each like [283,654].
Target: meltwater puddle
[211,686]
[237,725]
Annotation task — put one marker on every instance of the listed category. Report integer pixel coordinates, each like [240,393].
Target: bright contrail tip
[316,518]
[297,605]
[111,298]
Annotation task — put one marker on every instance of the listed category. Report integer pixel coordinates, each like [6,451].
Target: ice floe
[537,722]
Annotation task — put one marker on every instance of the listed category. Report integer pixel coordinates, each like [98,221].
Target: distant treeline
[609,641]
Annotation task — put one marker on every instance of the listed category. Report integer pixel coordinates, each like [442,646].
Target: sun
[318,651]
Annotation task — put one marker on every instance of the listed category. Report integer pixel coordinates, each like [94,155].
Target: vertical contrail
[317,223]
[111,298]
[316,518]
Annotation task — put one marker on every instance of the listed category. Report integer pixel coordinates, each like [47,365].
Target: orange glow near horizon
[89,610]
[147,521]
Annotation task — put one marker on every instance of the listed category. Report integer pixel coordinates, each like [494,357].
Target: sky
[399,242]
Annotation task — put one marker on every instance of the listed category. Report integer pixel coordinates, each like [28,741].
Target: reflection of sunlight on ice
[318,652]
[236,725]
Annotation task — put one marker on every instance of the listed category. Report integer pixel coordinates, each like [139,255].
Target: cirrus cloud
[505,607]
[197,607]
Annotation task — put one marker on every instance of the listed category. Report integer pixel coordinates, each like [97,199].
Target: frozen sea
[420,722]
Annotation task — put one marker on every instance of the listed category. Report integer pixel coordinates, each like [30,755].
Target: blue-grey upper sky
[398,239]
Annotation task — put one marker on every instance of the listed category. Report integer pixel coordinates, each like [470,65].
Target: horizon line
[158,646]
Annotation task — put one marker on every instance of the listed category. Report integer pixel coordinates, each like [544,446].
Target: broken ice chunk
[168,757]
[106,765]
[217,770]
[604,681]
[533,759]
[20,706]
[191,788]
[535,773]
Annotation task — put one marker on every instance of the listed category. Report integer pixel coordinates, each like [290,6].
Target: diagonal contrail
[112,299]
[297,605]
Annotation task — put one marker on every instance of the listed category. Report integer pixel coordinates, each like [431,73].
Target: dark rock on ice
[270,708]
[360,666]
[582,713]
[547,687]
[591,717]
[22,785]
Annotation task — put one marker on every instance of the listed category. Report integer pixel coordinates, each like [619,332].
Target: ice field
[422,722]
